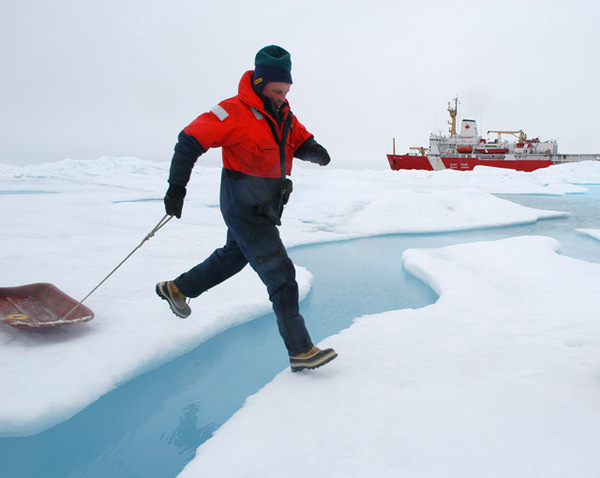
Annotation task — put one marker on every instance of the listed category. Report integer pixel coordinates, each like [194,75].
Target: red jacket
[242,127]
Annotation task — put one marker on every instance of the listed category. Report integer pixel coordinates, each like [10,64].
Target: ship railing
[572,158]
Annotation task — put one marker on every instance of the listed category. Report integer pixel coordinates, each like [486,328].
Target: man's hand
[174,200]
[312,151]
[320,155]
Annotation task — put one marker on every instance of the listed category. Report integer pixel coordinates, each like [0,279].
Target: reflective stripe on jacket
[247,133]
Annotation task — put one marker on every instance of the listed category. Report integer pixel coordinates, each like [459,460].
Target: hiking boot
[314,358]
[177,300]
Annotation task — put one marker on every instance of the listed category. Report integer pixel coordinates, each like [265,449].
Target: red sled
[40,305]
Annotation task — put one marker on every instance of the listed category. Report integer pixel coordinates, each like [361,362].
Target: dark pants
[251,214]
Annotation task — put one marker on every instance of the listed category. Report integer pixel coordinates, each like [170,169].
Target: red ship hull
[408,161]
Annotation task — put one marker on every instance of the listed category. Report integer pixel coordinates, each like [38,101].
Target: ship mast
[453,110]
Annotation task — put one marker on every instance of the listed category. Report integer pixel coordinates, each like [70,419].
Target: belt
[230,173]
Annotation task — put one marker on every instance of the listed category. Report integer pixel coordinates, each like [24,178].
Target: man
[259,137]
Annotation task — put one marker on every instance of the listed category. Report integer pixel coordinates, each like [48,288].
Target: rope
[166,218]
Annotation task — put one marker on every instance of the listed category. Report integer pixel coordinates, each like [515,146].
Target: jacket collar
[249,96]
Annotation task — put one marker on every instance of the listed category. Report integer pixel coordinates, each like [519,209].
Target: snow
[498,378]
[489,381]
[595,233]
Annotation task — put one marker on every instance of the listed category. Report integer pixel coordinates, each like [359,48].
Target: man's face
[276,91]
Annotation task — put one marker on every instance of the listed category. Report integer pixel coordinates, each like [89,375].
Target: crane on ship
[419,149]
[521,135]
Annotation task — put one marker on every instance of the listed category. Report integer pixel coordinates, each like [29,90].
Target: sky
[83,79]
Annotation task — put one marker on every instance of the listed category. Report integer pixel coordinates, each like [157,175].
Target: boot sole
[316,361]
[163,292]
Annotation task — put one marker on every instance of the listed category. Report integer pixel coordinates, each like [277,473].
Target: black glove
[312,151]
[174,200]
[320,155]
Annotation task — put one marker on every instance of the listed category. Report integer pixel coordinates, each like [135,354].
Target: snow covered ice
[498,378]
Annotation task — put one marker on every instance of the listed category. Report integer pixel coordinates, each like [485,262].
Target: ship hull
[408,161]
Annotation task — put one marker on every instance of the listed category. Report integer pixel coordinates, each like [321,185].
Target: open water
[152,425]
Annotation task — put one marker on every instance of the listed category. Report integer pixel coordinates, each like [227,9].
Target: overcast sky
[82,79]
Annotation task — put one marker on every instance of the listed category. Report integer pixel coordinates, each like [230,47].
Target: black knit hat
[272,63]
